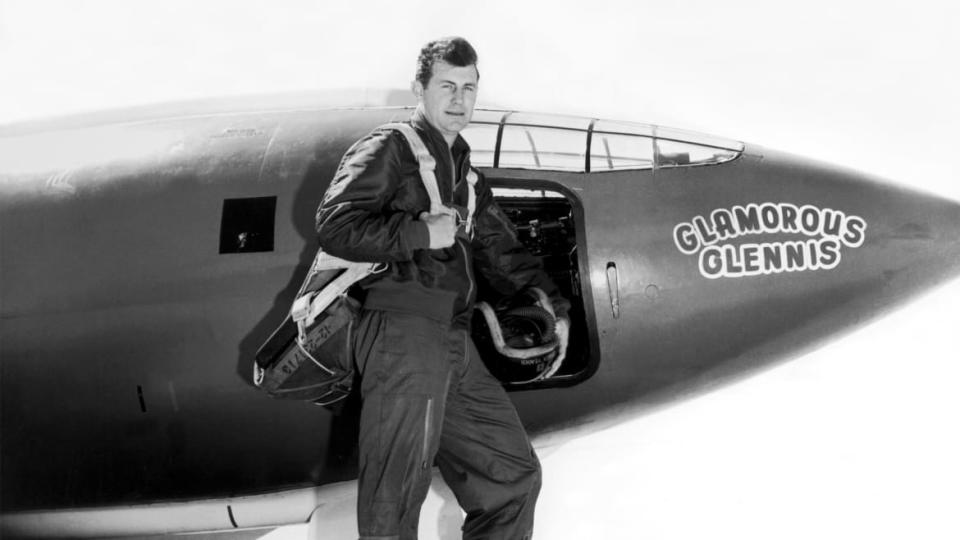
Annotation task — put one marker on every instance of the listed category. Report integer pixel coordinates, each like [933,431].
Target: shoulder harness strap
[427,163]
[471,199]
[427,167]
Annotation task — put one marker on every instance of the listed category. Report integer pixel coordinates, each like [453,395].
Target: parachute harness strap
[471,199]
[427,167]
[427,164]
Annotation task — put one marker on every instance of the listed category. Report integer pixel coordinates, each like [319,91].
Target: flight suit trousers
[428,396]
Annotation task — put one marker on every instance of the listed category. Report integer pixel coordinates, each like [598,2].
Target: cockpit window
[620,145]
[482,139]
[678,154]
[614,151]
[542,148]
[562,143]
[678,148]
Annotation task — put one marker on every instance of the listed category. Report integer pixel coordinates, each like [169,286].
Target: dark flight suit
[427,395]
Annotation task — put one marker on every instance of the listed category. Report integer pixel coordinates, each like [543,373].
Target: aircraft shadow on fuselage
[341,451]
[307,198]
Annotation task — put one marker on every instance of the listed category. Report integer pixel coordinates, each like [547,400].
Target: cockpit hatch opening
[546,222]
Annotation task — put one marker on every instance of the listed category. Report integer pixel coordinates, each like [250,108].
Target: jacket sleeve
[355,221]
[502,260]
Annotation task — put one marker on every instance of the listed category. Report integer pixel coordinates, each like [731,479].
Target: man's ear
[417,88]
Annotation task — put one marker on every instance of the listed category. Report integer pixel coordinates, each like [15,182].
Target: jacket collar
[419,120]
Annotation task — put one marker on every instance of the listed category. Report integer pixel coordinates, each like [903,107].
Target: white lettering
[827,230]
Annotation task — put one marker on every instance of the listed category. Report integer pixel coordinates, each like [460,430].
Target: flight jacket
[370,214]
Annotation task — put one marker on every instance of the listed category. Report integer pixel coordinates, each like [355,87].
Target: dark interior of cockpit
[546,223]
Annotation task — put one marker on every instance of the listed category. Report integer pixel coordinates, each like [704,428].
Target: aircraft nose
[773,253]
[892,241]
[914,240]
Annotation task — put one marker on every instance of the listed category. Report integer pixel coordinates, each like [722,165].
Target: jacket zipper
[453,174]
[427,422]
[466,258]
[466,263]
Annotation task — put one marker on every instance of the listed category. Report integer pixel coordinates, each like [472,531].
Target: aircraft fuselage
[143,264]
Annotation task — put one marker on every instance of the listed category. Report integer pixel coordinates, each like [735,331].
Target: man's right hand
[442,227]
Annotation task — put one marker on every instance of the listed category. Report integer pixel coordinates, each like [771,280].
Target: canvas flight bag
[310,357]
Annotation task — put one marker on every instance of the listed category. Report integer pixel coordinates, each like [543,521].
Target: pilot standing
[426,394]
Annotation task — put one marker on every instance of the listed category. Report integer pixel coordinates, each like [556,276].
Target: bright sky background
[856,440]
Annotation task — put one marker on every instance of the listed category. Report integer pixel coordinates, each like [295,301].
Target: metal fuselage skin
[128,338]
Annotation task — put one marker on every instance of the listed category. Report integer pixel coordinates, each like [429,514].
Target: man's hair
[455,51]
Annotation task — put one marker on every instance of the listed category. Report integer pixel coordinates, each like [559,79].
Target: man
[426,394]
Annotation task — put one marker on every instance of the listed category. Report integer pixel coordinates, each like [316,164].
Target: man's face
[448,99]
